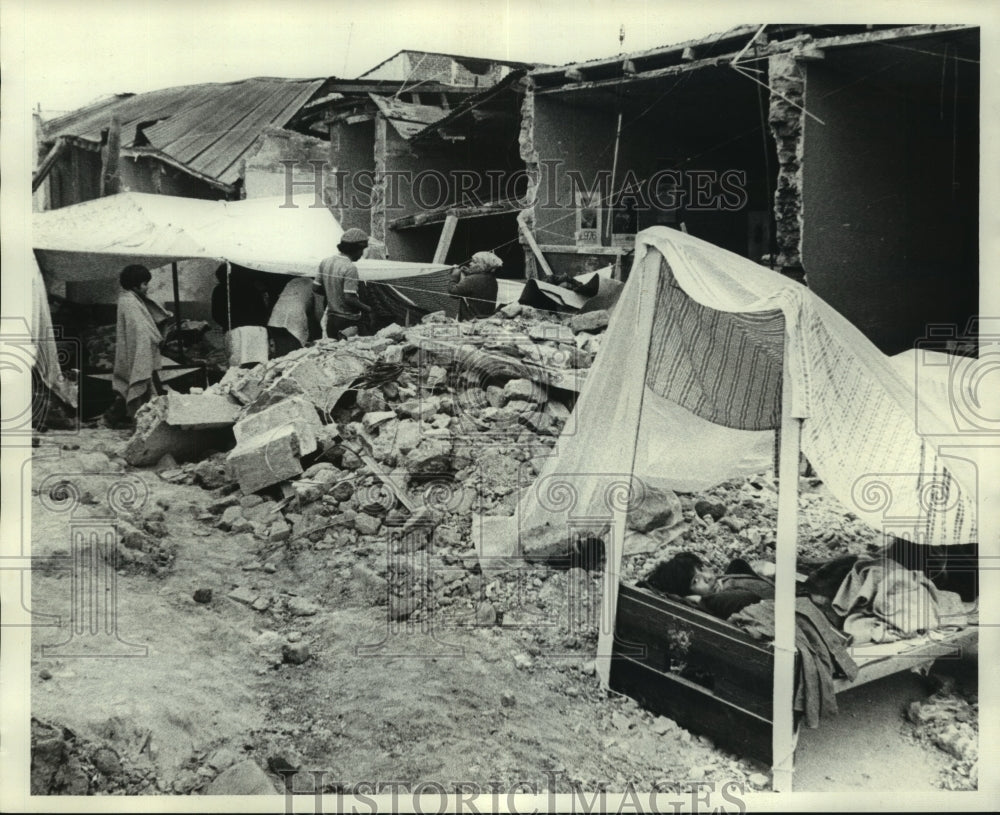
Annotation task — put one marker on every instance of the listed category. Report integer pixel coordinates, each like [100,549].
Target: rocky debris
[201,411]
[295,653]
[63,763]
[244,778]
[295,411]
[654,508]
[950,723]
[268,458]
[154,437]
[202,596]
[706,509]
[590,321]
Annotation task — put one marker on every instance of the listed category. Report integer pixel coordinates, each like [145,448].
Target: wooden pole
[783,729]
[444,242]
[534,246]
[177,310]
[48,162]
[111,155]
[614,171]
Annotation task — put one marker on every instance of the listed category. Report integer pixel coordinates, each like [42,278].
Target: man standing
[338,277]
[477,286]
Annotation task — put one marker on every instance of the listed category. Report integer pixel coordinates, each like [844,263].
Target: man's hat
[354,235]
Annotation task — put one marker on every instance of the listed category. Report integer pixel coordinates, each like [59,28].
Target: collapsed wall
[787,118]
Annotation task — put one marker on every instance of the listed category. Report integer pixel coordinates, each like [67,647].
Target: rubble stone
[266,459]
[589,321]
[154,438]
[524,389]
[654,508]
[245,778]
[371,401]
[296,411]
[204,411]
[432,455]
[367,524]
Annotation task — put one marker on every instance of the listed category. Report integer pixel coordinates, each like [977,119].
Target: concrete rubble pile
[405,435]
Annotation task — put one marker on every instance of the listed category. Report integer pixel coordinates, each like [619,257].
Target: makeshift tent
[95,239]
[46,351]
[707,354]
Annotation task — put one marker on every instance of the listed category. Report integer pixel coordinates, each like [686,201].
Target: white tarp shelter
[93,240]
[706,356]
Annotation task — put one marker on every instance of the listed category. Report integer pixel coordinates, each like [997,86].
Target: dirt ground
[467,702]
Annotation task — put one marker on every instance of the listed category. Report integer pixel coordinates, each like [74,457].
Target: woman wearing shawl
[137,346]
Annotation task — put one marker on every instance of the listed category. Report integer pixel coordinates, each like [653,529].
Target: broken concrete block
[203,411]
[266,459]
[432,455]
[590,321]
[154,438]
[394,332]
[367,524]
[407,436]
[373,420]
[371,401]
[524,389]
[653,508]
[296,411]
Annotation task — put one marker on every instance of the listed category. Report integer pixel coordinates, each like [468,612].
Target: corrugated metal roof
[206,128]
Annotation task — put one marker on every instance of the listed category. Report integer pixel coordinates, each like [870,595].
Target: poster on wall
[588,218]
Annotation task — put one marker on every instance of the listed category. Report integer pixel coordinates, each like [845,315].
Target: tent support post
[609,603]
[783,729]
[177,311]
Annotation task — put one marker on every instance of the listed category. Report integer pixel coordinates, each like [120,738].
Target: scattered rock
[653,508]
[300,607]
[106,761]
[45,674]
[591,321]
[507,700]
[245,778]
[295,653]
[202,595]
[486,614]
[708,509]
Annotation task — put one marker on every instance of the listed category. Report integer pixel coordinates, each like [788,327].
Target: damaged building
[843,155]
[429,156]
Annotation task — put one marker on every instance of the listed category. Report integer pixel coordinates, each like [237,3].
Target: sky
[76,52]
[73,53]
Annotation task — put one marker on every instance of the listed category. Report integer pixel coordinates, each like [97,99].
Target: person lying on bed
[687,575]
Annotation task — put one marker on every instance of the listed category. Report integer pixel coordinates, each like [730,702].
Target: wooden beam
[111,158]
[444,242]
[437,216]
[48,162]
[530,238]
[658,73]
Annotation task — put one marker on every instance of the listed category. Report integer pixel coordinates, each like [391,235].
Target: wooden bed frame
[737,690]
[714,679]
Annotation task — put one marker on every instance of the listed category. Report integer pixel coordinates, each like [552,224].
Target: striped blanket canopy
[687,393]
